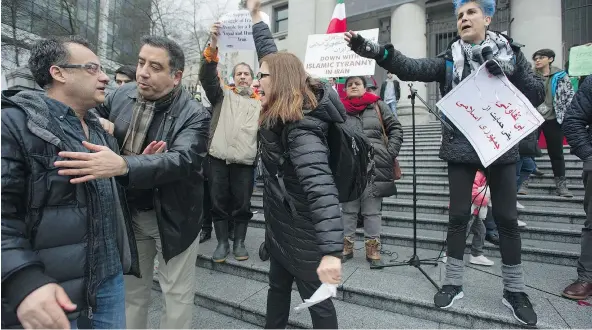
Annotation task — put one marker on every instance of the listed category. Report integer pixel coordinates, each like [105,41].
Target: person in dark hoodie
[65,246]
[456,63]
[306,245]
[558,95]
[576,125]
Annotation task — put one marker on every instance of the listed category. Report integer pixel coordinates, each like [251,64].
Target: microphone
[487,53]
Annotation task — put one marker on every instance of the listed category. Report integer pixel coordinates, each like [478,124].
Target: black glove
[499,67]
[366,48]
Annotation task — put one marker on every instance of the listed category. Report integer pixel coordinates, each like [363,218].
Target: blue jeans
[110,310]
[393,106]
[490,227]
[524,168]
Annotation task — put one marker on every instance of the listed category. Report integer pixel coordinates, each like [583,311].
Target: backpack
[351,159]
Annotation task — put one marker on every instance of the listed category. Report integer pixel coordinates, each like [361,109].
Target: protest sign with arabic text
[491,113]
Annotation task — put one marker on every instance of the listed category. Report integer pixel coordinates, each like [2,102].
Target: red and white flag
[338,22]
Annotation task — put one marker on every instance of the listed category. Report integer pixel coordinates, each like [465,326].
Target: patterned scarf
[143,112]
[462,50]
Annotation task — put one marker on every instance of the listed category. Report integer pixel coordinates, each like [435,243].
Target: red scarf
[355,105]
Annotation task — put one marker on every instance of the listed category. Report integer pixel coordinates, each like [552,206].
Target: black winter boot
[238,249]
[223,248]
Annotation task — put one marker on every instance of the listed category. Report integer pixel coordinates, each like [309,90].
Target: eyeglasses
[261,75]
[92,68]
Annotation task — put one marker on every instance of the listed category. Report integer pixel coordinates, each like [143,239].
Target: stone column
[408,35]
[540,30]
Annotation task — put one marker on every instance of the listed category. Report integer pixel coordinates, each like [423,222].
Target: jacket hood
[329,109]
[553,70]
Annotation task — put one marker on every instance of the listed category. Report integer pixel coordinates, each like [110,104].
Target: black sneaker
[447,295]
[492,238]
[521,307]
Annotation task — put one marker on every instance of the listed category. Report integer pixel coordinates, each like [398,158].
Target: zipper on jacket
[90,257]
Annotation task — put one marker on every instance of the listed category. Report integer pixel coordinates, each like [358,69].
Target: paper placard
[327,55]
[236,32]
[491,113]
[580,60]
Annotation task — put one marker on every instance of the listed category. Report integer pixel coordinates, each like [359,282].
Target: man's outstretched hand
[363,47]
[99,164]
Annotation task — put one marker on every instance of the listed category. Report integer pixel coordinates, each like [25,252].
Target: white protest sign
[491,113]
[236,32]
[327,55]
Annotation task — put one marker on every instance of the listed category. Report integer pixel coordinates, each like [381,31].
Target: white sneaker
[480,260]
[521,223]
[519,206]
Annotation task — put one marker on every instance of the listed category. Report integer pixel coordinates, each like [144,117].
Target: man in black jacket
[65,246]
[165,190]
[576,127]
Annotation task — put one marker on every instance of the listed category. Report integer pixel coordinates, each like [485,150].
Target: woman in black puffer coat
[465,55]
[305,245]
[370,114]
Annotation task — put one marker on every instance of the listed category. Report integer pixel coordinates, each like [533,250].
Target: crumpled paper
[324,292]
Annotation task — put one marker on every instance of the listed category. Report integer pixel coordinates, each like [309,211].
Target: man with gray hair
[166,189]
[232,149]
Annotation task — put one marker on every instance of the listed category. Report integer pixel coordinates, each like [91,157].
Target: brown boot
[578,290]
[348,248]
[373,250]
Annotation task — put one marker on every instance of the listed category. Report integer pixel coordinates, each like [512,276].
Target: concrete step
[400,290]
[532,250]
[243,297]
[543,163]
[528,201]
[571,168]
[534,189]
[202,318]
[536,230]
[572,179]
[433,155]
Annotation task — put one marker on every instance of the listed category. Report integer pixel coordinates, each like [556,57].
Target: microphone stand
[414,260]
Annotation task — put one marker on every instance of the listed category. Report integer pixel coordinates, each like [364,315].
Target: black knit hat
[128,70]
[544,52]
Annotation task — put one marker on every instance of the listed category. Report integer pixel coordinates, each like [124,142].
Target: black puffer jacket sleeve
[184,155]
[527,82]
[412,69]
[577,118]
[264,42]
[22,269]
[393,128]
[208,77]
[308,155]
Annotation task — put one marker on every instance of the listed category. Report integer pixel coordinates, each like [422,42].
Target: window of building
[577,23]
[280,19]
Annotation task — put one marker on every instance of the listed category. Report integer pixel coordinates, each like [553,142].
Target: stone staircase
[400,297]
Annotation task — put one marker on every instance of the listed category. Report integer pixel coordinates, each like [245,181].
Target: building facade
[424,28]
[113,27]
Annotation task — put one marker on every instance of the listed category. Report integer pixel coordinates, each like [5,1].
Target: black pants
[502,183]
[554,138]
[279,296]
[207,207]
[585,261]
[231,187]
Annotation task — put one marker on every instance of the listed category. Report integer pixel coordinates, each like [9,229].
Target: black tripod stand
[414,260]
